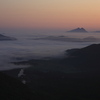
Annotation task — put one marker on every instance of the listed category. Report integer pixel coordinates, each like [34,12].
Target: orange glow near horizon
[53,14]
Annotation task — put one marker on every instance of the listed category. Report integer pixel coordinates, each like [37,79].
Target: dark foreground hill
[76,77]
[85,58]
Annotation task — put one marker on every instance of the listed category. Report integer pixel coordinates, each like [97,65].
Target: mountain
[92,50]
[3,37]
[82,30]
[96,31]
[87,58]
[75,77]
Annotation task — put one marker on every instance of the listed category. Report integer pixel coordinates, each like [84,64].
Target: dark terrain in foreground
[13,89]
[76,77]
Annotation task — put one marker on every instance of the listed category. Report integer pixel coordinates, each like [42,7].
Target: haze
[49,14]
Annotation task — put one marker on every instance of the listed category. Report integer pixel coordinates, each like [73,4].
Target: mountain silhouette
[82,30]
[96,31]
[3,37]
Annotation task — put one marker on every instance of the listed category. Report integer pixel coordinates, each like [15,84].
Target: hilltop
[82,30]
[3,37]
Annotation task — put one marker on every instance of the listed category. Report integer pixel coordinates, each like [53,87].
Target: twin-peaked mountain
[81,30]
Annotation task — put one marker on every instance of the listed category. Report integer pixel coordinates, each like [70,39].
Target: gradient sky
[50,14]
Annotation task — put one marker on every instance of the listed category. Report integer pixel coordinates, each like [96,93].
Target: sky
[49,14]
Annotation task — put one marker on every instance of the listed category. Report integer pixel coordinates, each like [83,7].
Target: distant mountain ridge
[3,37]
[96,31]
[82,30]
